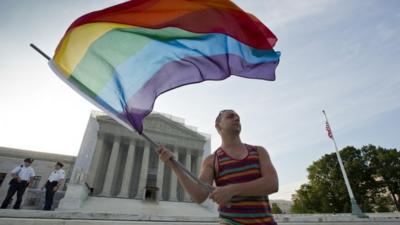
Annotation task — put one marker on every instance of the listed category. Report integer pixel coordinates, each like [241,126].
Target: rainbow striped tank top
[253,210]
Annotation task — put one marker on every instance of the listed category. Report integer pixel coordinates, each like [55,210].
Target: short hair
[60,164]
[219,117]
[29,160]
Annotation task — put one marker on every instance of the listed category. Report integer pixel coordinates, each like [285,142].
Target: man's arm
[14,173]
[60,183]
[198,193]
[267,184]
[31,178]
[61,180]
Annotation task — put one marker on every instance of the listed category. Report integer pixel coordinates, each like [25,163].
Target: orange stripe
[250,203]
[252,171]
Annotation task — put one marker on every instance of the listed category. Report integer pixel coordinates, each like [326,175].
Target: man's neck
[232,143]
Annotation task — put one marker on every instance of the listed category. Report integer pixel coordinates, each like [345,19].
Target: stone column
[95,164]
[143,170]
[188,165]
[174,181]
[111,169]
[160,178]
[199,160]
[127,174]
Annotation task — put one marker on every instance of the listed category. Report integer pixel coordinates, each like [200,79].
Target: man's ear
[217,127]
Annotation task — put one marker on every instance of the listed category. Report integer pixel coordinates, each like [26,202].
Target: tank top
[242,209]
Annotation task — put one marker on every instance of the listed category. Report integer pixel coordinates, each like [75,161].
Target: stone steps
[38,217]
[42,221]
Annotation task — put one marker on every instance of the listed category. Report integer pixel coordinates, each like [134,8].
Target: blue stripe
[140,68]
[240,169]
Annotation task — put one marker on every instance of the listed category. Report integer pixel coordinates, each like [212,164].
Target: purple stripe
[191,70]
[244,209]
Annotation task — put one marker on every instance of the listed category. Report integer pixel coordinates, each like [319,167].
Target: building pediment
[156,123]
[158,127]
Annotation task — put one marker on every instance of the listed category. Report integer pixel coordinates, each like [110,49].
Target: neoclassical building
[115,164]
[125,165]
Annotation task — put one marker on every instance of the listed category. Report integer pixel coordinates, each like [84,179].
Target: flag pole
[40,51]
[208,187]
[355,209]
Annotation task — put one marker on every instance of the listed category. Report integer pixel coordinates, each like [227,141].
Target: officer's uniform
[55,177]
[25,174]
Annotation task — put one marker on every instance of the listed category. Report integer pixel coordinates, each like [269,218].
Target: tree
[276,209]
[385,164]
[326,191]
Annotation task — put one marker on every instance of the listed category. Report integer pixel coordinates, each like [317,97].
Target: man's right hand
[165,155]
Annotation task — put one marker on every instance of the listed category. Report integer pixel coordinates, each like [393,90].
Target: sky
[338,55]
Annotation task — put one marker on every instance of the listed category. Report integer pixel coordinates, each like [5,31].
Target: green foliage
[373,174]
[275,209]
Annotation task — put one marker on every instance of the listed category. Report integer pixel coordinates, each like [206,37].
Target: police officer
[22,177]
[55,181]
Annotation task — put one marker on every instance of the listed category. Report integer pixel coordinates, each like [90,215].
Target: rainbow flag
[124,56]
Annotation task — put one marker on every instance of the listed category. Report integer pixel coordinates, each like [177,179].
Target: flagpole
[355,209]
[208,187]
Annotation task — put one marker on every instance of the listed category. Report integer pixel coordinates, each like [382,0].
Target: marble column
[160,178]
[95,163]
[143,170]
[111,169]
[174,181]
[188,165]
[127,174]
[199,160]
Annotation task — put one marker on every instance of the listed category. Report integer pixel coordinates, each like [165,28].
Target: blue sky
[337,55]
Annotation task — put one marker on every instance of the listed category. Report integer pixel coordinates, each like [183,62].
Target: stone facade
[115,162]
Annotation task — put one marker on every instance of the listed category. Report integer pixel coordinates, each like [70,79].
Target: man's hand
[165,155]
[222,195]
[55,188]
[18,179]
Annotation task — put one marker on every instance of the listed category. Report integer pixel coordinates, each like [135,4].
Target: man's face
[229,123]
[27,164]
[57,167]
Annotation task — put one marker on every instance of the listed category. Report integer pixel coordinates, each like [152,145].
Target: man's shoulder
[209,158]
[19,167]
[257,147]
[260,149]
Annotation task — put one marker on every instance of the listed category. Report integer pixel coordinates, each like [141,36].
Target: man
[243,174]
[54,182]
[22,177]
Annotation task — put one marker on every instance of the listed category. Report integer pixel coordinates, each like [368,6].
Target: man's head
[59,165]
[228,122]
[28,161]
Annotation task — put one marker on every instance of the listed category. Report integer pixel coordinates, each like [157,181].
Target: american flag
[328,128]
